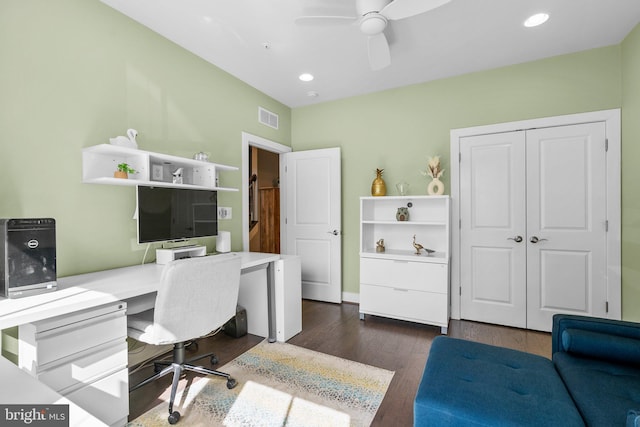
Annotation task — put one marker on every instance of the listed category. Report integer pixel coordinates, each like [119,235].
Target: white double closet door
[533,225]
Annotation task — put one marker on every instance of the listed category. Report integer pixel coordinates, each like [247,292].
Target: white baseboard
[351,297]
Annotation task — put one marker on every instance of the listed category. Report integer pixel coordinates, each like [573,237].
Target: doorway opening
[263,196]
[264,201]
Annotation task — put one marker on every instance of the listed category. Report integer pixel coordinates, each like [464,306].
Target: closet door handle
[535,239]
[516,239]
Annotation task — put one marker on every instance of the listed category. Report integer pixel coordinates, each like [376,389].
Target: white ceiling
[259,42]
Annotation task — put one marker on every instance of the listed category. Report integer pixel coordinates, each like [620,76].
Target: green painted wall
[76,72]
[399,129]
[631,176]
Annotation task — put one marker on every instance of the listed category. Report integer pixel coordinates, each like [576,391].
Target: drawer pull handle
[401,290]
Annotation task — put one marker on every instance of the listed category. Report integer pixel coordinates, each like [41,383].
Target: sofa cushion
[604,392]
[473,384]
[597,345]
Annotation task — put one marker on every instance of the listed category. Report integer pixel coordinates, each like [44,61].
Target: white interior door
[566,223]
[313,220]
[533,225]
[492,228]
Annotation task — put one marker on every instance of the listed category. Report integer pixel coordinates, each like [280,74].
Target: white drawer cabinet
[397,282]
[41,344]
[83,356]
[85,367]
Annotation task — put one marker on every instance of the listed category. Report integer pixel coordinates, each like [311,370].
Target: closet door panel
[492,206]
[566,222]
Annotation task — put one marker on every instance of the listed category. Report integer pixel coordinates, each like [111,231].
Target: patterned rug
[280,385]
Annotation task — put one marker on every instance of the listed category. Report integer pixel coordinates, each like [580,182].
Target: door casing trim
[268,145]
[611,118]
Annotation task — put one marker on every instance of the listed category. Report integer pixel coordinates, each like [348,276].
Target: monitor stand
[164,256]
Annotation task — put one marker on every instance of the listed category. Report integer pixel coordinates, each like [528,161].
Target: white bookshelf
[153,169]
[398,282]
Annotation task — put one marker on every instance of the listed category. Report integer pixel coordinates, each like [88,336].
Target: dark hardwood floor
[335,329]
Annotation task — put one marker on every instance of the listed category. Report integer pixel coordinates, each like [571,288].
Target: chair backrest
[196,296]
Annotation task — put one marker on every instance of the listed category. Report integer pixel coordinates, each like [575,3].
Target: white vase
[436,187]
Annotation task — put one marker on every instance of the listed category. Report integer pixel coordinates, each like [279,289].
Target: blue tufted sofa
[593,379]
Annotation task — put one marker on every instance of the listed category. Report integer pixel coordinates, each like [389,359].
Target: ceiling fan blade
[324,20]
[400,9]
[379,54]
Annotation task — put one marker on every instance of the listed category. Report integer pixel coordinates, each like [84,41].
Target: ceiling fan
[373,17]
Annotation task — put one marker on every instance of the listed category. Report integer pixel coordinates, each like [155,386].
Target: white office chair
[196,296]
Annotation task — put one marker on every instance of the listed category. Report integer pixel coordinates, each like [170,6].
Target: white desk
[92,290]
[102,287]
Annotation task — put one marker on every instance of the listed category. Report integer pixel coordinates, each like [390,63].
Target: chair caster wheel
[156,368]
[174,417]
[214,360]
[231,383]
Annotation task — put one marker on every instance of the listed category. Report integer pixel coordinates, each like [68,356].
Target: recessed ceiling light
[535,20]
[305,77]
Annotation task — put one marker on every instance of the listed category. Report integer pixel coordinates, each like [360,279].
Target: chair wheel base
[174,417]
[231,383]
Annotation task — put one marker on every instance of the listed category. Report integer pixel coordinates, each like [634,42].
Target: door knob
[517,239]
[534,239]
[334,232]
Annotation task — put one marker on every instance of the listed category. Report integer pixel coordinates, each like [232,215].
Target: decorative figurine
[419,247]
[380,245]
[177,176]
[378,186]
[402,214]
[126,141]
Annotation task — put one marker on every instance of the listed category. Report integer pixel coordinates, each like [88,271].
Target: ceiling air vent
[268,118]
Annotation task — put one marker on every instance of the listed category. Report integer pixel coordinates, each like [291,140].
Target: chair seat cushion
[604,392]
[473,384]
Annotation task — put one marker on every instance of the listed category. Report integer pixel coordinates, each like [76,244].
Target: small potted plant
[123,171]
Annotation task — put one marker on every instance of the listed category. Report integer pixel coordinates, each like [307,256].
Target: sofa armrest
[562,322]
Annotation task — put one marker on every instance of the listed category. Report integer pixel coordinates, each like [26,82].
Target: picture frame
[157,172]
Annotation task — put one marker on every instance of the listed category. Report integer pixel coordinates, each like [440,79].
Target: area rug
[280,384]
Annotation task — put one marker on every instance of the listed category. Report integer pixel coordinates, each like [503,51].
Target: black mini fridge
[27,256]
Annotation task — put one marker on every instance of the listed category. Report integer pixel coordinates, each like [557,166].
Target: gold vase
[378,187]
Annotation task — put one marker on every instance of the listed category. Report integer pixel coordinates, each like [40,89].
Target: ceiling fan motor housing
[373,23]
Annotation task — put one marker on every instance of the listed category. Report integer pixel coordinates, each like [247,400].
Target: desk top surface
[94,289]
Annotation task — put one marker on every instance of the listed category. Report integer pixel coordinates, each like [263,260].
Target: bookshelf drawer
[419,276]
